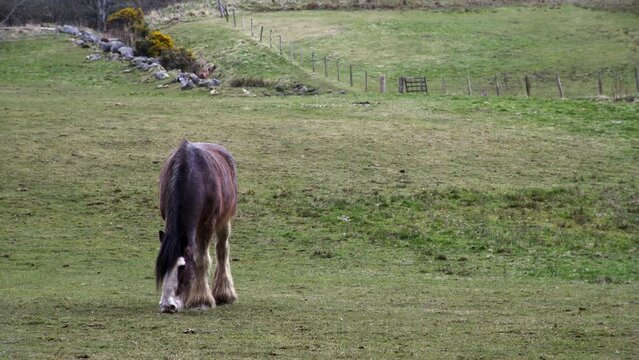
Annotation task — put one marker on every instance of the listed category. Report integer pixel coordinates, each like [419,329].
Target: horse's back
[223,179]
[211,172]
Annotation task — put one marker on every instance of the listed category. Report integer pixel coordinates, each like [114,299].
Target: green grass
[239,58]
[436,227]
[511,42]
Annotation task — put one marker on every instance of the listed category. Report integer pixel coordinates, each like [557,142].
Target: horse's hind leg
[200,294]
[223,289]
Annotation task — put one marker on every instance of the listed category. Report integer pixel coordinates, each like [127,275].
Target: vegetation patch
[249,82]
[430,227]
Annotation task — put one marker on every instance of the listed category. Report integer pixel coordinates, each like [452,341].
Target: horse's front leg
[223,288]
[200,294]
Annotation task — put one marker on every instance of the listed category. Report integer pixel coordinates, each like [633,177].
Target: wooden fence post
[400,84]
[365,80]
[261,32]
[497,89]
[280,37]
[243,23]
[425,85]
[234,22]
[470,89]
[527,84]
[337,64]
[637,77]
[599,84]
[313,60]
[301,57]
[444,89]
[270,38]
[252,35]
[619,88]
[325,67]
[561,88]
[382,84]
[350,73]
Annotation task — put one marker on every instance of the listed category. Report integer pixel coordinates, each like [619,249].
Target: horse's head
[176,282]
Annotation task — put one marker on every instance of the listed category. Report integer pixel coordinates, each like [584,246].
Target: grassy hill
[508,42]
[441,5]
[240,60]
[439,227]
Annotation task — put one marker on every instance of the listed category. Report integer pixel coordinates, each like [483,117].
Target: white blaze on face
[169,302]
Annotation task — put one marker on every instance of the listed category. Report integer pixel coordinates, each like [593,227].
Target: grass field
[510,42]
[439,227]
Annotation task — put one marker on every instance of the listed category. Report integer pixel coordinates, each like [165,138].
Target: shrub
[179,58]
[128,18]
[155,44]
[128,24]
[159,43]
[249,82]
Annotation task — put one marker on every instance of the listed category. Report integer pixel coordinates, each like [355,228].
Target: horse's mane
[176,201]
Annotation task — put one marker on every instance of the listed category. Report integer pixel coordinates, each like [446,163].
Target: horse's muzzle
[169,308]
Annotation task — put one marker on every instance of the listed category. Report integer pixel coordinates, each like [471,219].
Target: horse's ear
[161,236]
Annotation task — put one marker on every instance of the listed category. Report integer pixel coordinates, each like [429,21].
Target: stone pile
[117,50]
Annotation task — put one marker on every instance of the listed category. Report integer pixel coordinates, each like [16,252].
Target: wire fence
[616,84]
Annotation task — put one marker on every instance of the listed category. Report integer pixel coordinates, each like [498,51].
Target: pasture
[439,227]
[511,42]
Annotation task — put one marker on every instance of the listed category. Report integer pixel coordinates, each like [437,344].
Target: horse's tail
[175,239]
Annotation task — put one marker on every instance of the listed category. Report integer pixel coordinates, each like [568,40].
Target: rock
[80,43]
[89,37]
[146,63]
[300,89]
[139,60]
[194,77]
[187,84]
[94,57]
[72,30]
[113,56]
[208,83]
[116,45]
[126,52]
[105,46]
[155,67]
[161,75]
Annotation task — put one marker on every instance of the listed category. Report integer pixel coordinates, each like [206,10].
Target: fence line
[528,85]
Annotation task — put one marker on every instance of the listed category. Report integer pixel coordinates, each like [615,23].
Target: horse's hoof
[225,299]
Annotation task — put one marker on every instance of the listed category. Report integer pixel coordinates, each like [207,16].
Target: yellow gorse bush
[128,18]
[159,42]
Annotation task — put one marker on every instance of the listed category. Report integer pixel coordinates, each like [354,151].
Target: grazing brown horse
[198,196]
